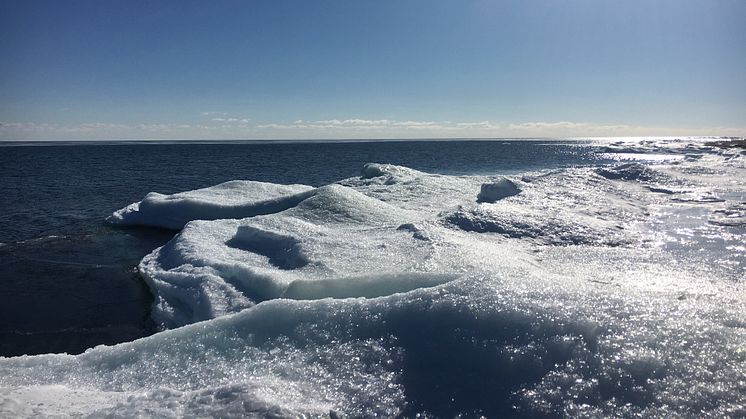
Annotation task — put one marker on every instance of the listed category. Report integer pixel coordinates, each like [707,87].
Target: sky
[276,69]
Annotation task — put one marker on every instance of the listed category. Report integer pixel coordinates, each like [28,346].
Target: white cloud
[482,124]
[31,127]
[25,126]
[164,127]
[357,124]
[275,126]
[226,120]
[358,128]
[584,129]
[241,120]
[92,126]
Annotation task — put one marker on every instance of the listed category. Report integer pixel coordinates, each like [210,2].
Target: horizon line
[7,142]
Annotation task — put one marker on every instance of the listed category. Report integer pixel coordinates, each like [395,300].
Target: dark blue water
[68,280]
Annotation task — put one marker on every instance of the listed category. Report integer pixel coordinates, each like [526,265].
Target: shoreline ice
[234,199]
[397,292]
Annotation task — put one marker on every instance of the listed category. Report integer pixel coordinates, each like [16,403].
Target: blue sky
[371,69]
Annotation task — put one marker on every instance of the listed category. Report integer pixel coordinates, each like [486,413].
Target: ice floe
[234,199]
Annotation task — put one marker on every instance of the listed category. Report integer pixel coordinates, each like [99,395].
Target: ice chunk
[732,216]
[560,207]
[368,286]
[629,171]
[414,190]
[234,199]
[549,228]
[497,190]
[388,174]
[213,268]
[417,232]
[702,197]
[341,204]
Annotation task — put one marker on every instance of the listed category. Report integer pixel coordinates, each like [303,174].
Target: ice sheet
[397,293]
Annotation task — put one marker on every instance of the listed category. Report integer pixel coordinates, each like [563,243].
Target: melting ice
[581,291]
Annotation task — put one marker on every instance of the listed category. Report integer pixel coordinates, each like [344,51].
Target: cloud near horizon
[222,126]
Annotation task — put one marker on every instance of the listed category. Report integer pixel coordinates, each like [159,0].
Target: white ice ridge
[217,267]
[234,199]
[396,293]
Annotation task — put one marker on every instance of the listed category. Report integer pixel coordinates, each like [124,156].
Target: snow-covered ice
[497,190]
[234,199]
[397,293]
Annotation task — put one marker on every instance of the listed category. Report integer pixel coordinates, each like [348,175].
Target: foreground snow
[578,292]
